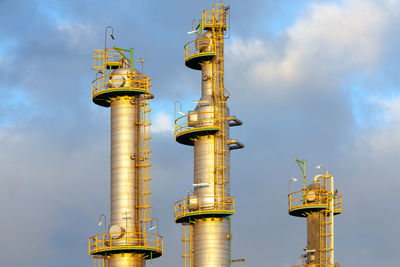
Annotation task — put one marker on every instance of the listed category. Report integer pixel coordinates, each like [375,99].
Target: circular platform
[194,61]
[103,98]
[305,210]
[147,252]
[202,214]
[147,244]
[187,137]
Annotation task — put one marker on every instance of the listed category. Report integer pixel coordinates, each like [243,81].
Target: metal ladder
[187,245]
[220,143]
[326,234]
[144,161]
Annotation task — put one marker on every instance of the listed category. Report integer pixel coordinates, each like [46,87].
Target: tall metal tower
[319,203]
[127,91]
[205,213]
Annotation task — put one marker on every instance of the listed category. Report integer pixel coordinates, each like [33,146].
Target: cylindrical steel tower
[127,92]
[319,203]
[205,213]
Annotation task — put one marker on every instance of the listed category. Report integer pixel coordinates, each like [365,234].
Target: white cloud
[76,32]
[326,45]
[386,138]
[162,123]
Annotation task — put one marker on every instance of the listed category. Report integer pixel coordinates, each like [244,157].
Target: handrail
[103,58]
[194,120]
[214,17]
[130,240]
[299,199]
[205,204]
[318,265]
[124,81]
[199,47]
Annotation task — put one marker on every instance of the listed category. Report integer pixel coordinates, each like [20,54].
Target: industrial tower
[205,213]
[127,243]
[319,203]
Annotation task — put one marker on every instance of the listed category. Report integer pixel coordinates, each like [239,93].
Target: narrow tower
[205,213]
[319,203]
[126,91]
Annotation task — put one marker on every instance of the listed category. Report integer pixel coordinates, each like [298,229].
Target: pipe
[236,143]
[233,121]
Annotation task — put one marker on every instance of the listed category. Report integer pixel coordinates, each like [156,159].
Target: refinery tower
[205,213]
[127,241]
[318,203]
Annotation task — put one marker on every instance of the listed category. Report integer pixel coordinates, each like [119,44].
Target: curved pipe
[233,121]
[236,144]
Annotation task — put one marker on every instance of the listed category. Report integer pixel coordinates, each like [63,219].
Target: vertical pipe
[332,199]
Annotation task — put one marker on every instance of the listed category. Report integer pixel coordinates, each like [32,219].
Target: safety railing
[318,265]
[125,241]
[207,204]
[314,198]
[194,121]
[215,17]
[337,204]
[199,47]
[105,58]
[126,82]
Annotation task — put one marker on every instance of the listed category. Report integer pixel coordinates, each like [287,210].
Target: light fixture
[101,222]
[292,180]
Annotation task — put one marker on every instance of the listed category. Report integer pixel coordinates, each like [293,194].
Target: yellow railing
[194,120]
[125,241]
[134,82]
[215,17]
[207,204]
[318,265]
[313,198]
[199,47]
[337,204]
[104,58]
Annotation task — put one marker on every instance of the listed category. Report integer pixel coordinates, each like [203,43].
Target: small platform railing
[126,82]
[312,199]
[194,121]
[203,205]
[199,47]
[215,17]
[125,241]
[318,265]
[106,58]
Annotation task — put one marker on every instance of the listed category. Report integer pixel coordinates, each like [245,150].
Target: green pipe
[132,61]
[230,241]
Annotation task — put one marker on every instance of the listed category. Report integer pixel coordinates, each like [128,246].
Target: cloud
[328,44]
[162,123]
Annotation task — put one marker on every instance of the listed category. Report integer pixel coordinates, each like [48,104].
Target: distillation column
[127,92]
[206,211]
[319,203]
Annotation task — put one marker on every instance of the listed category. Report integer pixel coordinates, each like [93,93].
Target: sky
[312,79]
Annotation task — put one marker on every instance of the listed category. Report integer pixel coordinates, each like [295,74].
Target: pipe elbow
[233,121]
[234,144]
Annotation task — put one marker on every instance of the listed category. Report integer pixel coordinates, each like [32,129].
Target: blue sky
[317,80]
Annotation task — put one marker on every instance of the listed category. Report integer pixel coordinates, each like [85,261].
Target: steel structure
[319,203]
[127,92]
[205,213]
